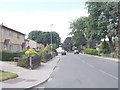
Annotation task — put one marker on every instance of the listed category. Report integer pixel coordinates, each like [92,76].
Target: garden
[30,59]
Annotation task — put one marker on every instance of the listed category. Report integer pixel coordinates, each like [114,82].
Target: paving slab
[32,78]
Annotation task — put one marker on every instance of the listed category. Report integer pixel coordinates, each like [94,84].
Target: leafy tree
[105,16]
[44,37]
[78,26]
[68,44]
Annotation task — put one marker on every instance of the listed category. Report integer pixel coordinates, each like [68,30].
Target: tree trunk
[88,44]
[111,44]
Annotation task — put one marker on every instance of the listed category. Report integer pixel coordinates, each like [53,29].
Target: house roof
[12,29]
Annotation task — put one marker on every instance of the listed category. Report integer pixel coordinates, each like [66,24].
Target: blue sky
[28,15]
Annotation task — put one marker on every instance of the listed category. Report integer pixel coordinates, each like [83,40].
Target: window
[18,35]
[10,47]
[10,33]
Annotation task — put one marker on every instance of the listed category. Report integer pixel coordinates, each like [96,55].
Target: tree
[68,44]
[83,31]
[45,37]
[105,15]
[78,27]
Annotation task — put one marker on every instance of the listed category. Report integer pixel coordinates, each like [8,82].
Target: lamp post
[1,36]
[51,36]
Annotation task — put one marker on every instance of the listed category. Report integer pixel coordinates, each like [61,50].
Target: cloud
[41,20]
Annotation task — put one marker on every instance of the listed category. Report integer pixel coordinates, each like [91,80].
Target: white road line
[108,74]
[101,71]
[83,61]
[90,65]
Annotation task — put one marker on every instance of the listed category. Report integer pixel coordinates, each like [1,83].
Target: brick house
[11,39]
[33,44]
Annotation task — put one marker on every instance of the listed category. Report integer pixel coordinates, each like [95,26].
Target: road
[83,71]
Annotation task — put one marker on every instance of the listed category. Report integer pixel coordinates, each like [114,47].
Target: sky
[28,15]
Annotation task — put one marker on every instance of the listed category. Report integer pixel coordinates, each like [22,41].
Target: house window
[18,35]
[10,33]
[10,47]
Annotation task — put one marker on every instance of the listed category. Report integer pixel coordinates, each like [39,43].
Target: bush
[45,53]
[31,52]
[7,55]
[91,51]
[24,61]
[105,47]
[20,53]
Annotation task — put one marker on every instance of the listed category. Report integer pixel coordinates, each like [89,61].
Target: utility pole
[1,36]
[51,25]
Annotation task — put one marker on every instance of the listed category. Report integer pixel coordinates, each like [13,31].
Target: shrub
[20,53]
[114,55]
[24,61]
[31,52]
[44,51]
[7,55]
[105,47]
[91,51]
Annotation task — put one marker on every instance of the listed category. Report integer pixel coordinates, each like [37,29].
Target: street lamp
[51,36]
[1,36]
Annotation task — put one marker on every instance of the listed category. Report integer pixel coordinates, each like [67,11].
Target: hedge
[7,55]
[91,51]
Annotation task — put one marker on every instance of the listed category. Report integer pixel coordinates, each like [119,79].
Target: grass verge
[7,75]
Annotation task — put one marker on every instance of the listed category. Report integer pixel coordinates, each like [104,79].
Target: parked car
[76,52]
[63,52]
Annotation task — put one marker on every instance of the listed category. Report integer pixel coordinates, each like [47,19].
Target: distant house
[11,39]
[33,44]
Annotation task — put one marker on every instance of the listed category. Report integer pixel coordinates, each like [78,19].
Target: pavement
[28,78]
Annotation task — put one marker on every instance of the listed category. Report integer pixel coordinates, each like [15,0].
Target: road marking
[102,71]
[90,65]
[108,74]
[83,61]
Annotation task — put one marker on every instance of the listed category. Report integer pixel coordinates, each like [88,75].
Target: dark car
[76,52]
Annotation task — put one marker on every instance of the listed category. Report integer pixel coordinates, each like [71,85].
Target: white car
[76,52]
[63,52]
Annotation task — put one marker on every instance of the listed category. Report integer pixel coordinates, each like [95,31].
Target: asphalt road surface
[83,71]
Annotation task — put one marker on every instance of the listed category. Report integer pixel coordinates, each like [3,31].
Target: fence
[35,62]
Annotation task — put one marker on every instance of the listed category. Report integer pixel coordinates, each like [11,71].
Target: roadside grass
[7,75]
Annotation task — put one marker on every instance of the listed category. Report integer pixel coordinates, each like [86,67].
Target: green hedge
[91,51]
[9,56]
